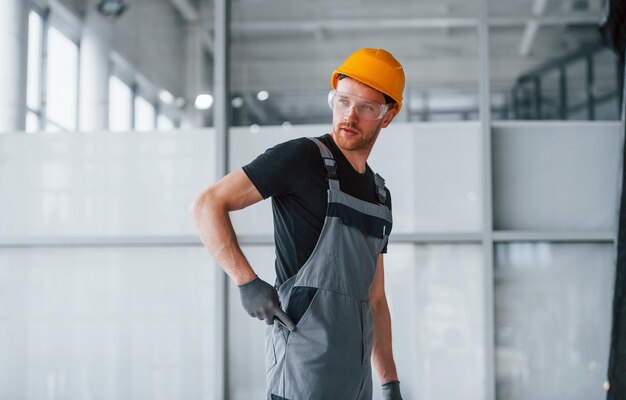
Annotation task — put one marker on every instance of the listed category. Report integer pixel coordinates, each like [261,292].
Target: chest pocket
[367,224]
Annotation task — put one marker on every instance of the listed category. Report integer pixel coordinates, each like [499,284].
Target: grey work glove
[391,391]
[260,300]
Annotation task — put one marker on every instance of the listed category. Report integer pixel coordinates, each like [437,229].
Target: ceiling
[291,47]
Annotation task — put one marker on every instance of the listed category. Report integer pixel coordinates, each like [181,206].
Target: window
[34,71]
[32,121]
[164,123]
[120,105]
[144,114]
[52,75]
[62,82]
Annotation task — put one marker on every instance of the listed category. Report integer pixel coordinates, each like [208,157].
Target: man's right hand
[260,300]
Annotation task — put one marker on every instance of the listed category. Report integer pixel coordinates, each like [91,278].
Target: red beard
[349,137]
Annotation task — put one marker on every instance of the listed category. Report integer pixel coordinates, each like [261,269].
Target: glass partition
[555,177]
[435,295]
[432,171]
[94,184]
[114,322]
[247,334]
[553,319]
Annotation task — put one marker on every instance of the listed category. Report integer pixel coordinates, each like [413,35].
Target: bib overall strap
[380,189]
[329,163]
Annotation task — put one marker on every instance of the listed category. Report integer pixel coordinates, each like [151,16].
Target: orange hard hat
[376,68]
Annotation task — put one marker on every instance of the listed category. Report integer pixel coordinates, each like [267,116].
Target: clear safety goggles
[366,109]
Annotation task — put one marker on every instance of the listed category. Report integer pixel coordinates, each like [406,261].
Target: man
[332,219]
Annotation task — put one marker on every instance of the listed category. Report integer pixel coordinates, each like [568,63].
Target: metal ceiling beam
[312,26]
[531,28]
[253,27]
[190,13]
[207,40]
[187,10]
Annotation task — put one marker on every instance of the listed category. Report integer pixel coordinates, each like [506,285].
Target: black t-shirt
[293,174]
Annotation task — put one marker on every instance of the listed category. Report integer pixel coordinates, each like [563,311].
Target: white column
[484,95]
[13,46]
[94,72]
[221,68]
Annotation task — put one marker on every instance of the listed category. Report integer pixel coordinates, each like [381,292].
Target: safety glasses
[365,109]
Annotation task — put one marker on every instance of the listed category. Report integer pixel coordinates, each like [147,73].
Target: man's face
[350,132]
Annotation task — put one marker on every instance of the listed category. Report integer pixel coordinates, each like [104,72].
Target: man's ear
[389,115]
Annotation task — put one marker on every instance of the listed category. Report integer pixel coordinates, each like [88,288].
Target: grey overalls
[327,357]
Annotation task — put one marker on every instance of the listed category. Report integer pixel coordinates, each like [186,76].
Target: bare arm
[382,354]
[210,211]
